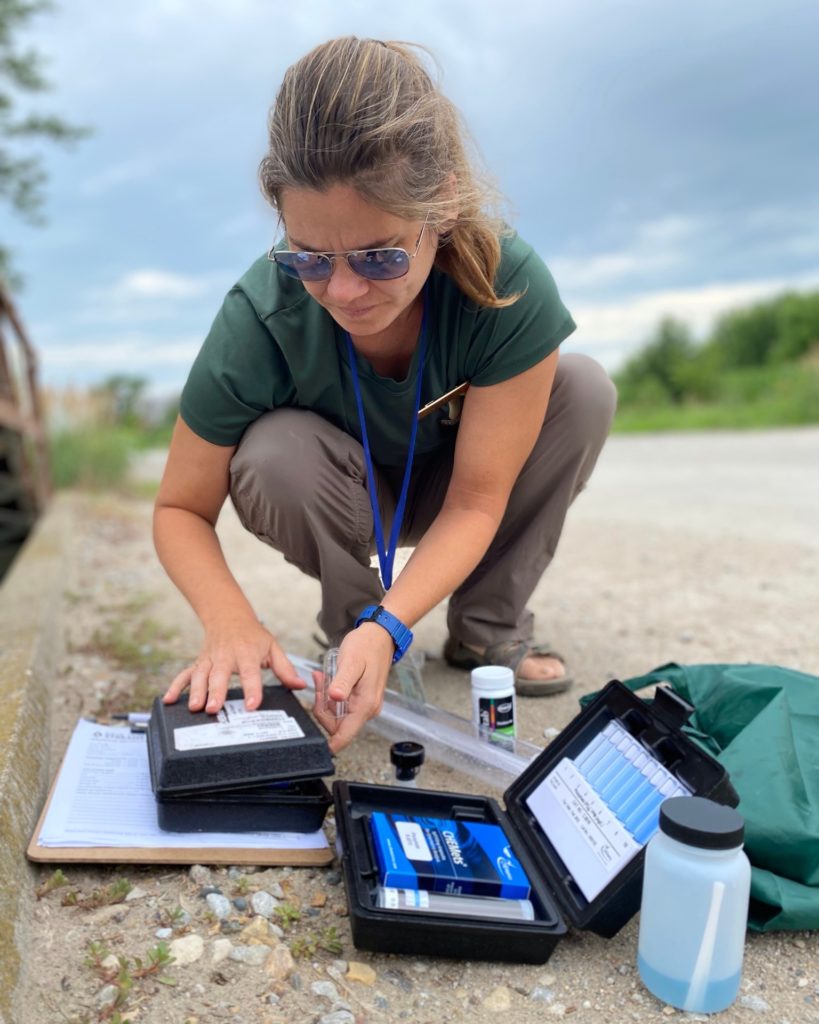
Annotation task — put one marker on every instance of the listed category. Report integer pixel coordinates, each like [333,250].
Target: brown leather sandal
[511,654]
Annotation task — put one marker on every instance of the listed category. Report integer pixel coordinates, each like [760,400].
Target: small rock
[399,980]
[188,949]
[107,996]
[253,955]
[199,874]
[219,905]
[275,930]
[263,904]
[362,973]
[547,980]
[340,966]
[319,899]
[296,982]
[209,890]
[104,915]
[668,1011]
[164,933]
[241,904]
[802,983]
[550,732]
[499,1000]
[279,965]
[273,999]
[755,1003]
[183,920]
[382,1003]
[557,1010]
[220,950]
[337,1017]
[624,969]
[136,894]
[234,874]
[325,989]
[110,963]
[541,994]
[259,932]
[276,891]
[312,912]
[798,943]
[231,926]
[333,877]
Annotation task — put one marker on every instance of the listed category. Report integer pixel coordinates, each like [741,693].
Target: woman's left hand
[364,661]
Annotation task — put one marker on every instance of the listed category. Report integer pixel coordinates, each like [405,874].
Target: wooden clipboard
[272,857]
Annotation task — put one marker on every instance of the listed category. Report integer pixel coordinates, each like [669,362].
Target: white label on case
[235,726]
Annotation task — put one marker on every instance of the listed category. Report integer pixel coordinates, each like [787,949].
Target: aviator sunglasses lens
[306,266]
[379,264]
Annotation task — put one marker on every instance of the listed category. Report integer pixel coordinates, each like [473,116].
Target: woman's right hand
[238,648]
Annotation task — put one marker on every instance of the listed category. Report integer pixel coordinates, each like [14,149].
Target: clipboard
[194,854]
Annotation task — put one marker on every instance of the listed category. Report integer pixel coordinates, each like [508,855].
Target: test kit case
[239,771]
[564,839]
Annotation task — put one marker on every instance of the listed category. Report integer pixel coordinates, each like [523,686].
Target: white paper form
[103,797]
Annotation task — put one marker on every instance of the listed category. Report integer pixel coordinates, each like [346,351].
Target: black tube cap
[407,756]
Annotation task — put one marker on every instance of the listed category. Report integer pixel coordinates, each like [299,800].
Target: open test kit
[576,821]
[239,771]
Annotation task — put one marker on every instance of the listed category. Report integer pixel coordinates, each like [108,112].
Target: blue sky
[663,158]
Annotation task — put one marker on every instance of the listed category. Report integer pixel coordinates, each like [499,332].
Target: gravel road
[694,548]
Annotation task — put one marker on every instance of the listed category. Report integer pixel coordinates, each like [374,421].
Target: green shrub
[94,459]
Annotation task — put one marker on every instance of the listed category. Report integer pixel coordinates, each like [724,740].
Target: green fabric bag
[762,723]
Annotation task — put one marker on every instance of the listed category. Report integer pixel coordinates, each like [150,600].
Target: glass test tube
[333,708]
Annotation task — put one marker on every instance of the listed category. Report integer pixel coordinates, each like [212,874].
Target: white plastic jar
[493,703]
[695,906]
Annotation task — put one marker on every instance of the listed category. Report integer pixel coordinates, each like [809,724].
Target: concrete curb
[30,641]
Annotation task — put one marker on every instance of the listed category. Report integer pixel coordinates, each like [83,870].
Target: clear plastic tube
[447,738]
[461,906]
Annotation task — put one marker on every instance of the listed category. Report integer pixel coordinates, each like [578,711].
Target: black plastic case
[556,896]
[266,786]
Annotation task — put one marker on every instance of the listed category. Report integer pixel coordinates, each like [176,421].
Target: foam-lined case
[577,819]
[239,771]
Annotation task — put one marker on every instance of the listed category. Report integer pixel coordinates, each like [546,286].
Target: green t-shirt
[272,345]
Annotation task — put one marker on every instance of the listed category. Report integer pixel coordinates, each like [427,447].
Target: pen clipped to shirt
[445,399]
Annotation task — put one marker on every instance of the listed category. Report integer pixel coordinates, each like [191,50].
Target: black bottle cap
[697,821]
[407,757]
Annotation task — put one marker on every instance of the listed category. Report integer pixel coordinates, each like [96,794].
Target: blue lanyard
[386,556]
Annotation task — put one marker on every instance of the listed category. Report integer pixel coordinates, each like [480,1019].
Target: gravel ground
[693,548]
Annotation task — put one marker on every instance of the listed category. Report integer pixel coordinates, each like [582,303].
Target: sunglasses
[372,264]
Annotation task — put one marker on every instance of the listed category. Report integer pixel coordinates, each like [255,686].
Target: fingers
[178,685]
[350,726]
[283,669]
[250,677]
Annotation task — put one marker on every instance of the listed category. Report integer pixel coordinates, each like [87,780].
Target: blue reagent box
[458,857]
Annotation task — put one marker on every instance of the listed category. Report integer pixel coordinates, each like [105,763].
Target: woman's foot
[539,671]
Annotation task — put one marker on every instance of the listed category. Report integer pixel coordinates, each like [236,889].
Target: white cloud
[611,331]
[151,283]
[142,355]
[661,244]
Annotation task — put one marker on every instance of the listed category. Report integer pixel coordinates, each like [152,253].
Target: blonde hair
[367,113]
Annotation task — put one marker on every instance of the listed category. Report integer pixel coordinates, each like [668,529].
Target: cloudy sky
[662,156]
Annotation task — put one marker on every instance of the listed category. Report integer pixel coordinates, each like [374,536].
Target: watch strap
[401,634]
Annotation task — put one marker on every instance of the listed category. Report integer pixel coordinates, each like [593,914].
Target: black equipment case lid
[556,894]
[192,753]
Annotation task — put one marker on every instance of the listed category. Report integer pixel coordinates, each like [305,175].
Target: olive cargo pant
[300,485]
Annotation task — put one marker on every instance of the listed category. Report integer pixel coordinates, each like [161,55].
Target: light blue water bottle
[695,906]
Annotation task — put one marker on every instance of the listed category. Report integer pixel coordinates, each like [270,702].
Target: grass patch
[98,458]
[751,398]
